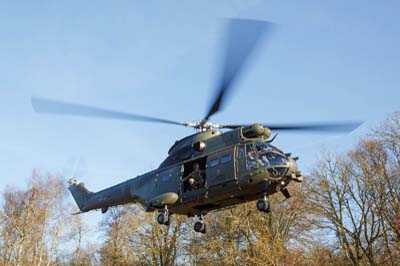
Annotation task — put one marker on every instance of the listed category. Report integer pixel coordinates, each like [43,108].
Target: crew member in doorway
[195,179]
[198,175]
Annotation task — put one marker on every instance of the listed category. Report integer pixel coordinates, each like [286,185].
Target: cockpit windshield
[263,154]
[263,147]
[273,159]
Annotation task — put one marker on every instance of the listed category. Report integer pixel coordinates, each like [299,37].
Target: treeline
[346,212]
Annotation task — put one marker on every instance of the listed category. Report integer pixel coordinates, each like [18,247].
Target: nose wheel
[263,205]
[164,217]
[200,226]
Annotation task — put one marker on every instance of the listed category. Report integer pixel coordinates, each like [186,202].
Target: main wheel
[162,218]
[263,205]
[200,227]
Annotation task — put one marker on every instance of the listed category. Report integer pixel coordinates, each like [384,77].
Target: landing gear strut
[200,226]
[264,205]
[164,217]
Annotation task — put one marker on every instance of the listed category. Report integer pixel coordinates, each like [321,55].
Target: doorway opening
[194,175]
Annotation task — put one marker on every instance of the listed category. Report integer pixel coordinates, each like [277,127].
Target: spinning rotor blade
[41,105]
[310,127]
[242,37]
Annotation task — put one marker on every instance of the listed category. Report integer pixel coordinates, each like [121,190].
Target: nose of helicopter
[293,170]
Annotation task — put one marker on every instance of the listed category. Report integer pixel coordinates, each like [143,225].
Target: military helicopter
[211,169]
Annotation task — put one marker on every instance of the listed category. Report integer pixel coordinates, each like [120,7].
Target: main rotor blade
[310,127]
[242,37]
[41,105]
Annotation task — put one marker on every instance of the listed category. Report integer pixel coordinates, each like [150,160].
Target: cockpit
[263,154]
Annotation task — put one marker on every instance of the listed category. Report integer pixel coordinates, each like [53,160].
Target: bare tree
[162,243]
[344,203]
[357,197]
[382,159]
[134,237]
[83,251]
[33,222]
[118,226]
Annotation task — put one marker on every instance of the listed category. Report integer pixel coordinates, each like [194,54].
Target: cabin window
[214,162]
[226,158]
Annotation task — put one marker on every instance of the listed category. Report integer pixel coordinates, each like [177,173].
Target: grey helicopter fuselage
[234,167]
[211,169]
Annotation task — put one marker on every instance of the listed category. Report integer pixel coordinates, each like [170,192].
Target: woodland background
[346,212]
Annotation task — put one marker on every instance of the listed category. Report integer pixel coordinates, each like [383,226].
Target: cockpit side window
[251,156]
[240,152]
[251,150]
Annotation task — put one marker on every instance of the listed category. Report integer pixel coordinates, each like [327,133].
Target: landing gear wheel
[164,217]
[200,227]
[263,205]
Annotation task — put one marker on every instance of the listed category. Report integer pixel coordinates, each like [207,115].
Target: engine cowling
[256,131]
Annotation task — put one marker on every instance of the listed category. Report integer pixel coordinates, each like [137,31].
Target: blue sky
[328,60]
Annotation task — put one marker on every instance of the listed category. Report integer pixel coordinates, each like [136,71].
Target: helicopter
[218,166]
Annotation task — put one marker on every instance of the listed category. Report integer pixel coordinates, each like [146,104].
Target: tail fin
[80,193]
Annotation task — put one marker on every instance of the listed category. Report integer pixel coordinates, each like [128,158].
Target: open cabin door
[194,180]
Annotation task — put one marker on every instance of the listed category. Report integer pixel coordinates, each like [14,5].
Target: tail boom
[87,200]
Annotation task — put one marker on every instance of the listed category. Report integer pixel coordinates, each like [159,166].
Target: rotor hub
[203,125]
